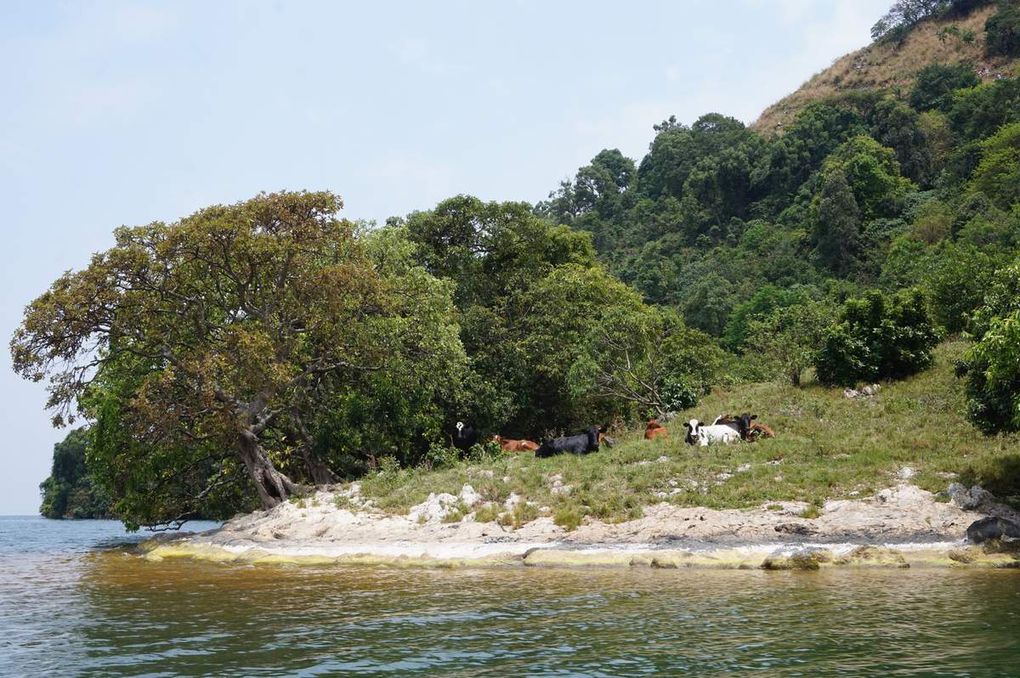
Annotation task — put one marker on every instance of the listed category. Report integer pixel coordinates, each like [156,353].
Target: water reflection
[184,618]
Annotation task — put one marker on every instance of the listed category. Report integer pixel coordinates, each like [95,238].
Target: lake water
[74,600]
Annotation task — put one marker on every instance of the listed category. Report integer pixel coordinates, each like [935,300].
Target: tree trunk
[317,470]
[273,487]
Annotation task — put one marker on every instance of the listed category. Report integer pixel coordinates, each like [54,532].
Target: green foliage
[992,365]
[784,342]
[997,176]
[837,223]
[1002,30]
[936,83]
[957,284]
[206,351]
[980,111]
[68,492]
[873,175]
[993,376]
[877,337]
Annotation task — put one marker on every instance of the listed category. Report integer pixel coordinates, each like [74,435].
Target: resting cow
[511,445]
[655,430]
[751,430]
[702,435]
[465,437]
[582,443]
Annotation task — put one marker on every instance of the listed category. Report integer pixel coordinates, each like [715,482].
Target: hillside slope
[888,65]
[827,447]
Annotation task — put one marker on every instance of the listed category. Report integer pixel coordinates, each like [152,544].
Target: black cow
[582,443]
[465,437]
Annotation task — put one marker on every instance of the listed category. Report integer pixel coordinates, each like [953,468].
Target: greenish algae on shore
[767,557]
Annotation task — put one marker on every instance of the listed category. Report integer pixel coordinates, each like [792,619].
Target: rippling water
[75,601]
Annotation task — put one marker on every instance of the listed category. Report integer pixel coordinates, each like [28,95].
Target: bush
[993,377]
[936,83]
[992,365]
[1002,31]
[877,337]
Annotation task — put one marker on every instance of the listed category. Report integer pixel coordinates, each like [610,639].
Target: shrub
[1002,31]
[992,365]
[936,83]
[877,337]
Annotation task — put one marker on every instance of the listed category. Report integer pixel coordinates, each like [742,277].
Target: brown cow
[655,430]
[510,445]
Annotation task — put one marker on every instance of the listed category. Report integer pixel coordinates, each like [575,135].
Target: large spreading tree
[202,349]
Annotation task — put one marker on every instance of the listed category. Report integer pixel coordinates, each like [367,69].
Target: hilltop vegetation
[239,355]
[893,63]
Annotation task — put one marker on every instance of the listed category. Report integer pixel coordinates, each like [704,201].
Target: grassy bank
[827,447]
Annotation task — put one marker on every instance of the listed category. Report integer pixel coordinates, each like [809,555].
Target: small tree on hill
[786,340]
[837,224]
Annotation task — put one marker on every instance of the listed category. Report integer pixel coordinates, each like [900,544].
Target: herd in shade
[725,429]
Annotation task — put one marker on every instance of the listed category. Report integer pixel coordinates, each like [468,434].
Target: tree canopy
[212,342]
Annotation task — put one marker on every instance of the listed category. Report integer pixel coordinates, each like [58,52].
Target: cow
[702,435]
[465,437]
[751,430]
[655,430]
[511,445]
[727,420]
[582,443]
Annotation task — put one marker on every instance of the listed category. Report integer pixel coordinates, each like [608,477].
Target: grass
[827,447]
[887,65]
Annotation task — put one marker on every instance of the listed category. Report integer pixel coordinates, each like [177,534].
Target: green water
[106,612]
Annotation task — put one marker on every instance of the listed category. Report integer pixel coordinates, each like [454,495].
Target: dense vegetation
[69,491]
[230,359]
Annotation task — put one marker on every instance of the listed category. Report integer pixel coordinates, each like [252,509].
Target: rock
[873,556]
[513,500]
[433,509]
[993,528]
[806,559]
[969,499]
[906,473]
[794,528]
[743,468]
[469,496]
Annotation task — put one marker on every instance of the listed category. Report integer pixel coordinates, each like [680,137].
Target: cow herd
[725,429]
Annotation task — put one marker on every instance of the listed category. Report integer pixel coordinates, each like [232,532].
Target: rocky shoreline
[902,526]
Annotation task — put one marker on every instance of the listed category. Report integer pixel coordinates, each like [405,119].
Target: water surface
[74,600]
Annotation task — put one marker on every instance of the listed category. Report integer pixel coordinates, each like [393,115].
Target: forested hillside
[903,180]
[241,354]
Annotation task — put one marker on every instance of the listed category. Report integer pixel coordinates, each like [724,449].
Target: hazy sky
[127,112]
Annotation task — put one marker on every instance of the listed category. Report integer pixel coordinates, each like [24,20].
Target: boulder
[806,559]
[969,499]
[988,529]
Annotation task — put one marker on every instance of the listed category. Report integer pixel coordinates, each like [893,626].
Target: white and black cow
[702,435]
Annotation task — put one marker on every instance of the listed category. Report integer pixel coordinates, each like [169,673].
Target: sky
[120,113]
